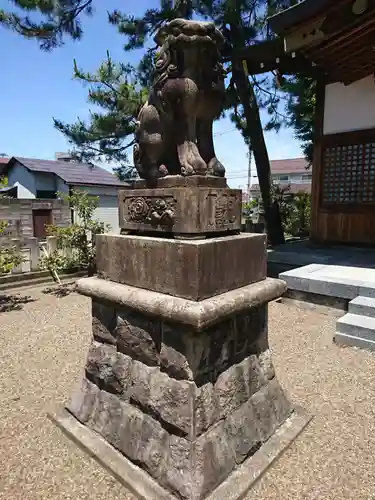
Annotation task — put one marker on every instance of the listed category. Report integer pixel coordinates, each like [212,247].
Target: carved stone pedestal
[179,397]
[182,206]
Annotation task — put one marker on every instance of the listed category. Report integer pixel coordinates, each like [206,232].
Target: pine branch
[59,18]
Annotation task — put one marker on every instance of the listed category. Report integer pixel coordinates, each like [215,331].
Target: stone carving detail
[181,210]
[153,211]
[225,210]
[138,210]
[174,134]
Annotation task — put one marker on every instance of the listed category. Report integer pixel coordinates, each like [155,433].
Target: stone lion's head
[182,30]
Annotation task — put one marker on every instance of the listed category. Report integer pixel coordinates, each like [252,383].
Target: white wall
[294,178]
[98,190]
[350,107]
[24,179]
[107,210]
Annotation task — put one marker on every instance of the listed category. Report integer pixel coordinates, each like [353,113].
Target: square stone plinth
[187,210]
[191,269]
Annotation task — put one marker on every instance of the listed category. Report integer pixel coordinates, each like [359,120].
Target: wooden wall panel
[346,228]
[344,190]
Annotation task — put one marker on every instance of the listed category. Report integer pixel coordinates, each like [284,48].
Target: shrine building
[334,40]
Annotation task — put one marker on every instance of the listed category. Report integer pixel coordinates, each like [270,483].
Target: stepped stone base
[187,392]
[179,390]
[238,483]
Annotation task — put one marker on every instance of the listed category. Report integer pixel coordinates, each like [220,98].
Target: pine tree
[48,21]
[300,110]
[109,134]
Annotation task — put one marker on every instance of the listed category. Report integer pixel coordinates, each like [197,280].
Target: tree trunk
[255,130]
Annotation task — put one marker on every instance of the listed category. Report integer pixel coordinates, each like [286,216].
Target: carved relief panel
[190,210]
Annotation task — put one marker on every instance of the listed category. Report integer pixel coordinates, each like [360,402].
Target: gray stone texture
[201,268]
[213,460]
[180,350]
[177,473]
[190,469]
[241,431]
[215,401]
[172,401]
[198,314]
[134,478]
[169,400]
[107,368]
[234,386]
[103,322]
[136,435]
[140,385]
[138,336]
[83,401]
[187,437]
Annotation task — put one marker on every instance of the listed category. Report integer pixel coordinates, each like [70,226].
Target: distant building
[64,157]
[31,178]
[292,172]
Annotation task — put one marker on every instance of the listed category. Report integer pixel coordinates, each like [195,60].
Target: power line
[240,174]
[219,134]
[234,174]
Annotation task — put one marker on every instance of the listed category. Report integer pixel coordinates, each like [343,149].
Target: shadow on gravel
[14,302]
[60,290]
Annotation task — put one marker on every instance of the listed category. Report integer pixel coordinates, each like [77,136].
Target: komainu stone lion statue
[174,132]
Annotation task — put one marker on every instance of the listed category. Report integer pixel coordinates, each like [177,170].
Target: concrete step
[362,306]
[333,281]
[356,330]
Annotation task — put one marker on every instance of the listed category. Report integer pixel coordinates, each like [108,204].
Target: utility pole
[249,156]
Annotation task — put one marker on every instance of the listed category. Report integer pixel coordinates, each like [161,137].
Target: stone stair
[357,327]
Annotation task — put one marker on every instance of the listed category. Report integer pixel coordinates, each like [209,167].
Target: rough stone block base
[188,392]
[235,487]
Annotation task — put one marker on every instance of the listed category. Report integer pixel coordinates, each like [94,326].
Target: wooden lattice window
[349,173]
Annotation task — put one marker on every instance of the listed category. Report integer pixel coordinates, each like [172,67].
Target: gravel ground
[43,348]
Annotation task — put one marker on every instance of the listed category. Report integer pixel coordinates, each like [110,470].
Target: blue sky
[37,85]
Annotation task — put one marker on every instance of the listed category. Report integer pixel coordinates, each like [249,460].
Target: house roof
[289,166]
[4,160]
[299,13]
[294,188]
[337,36]
[71,173]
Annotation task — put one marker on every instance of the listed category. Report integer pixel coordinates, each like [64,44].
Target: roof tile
[72,173]
[293,188]
[289,166]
